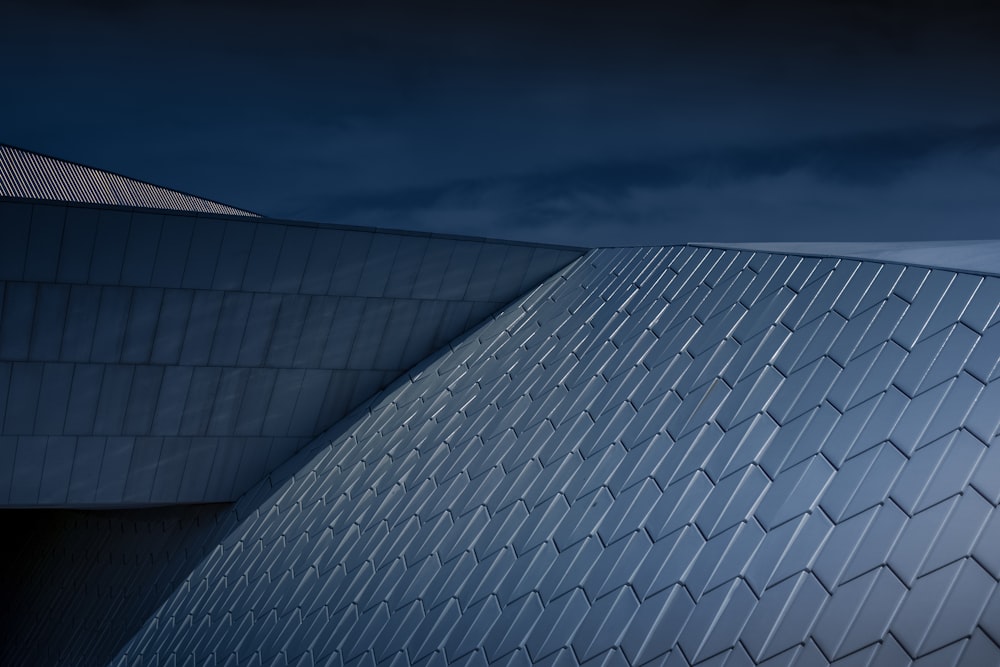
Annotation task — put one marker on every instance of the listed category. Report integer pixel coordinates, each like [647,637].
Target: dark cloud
[867,187]
[547,119]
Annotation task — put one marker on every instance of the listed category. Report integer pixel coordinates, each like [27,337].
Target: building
[264,442]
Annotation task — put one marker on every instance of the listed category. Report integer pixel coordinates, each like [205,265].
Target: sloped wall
[156,358]
[666,456]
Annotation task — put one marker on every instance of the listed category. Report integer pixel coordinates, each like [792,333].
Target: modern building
[233,440]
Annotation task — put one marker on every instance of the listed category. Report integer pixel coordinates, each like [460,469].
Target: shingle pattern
[159,358]
[668,456]
[28,175]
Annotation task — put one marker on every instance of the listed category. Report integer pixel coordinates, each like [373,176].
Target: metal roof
[666,456]
[28,175]
[671,456]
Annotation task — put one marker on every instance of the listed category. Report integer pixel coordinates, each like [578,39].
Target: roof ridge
[30,174]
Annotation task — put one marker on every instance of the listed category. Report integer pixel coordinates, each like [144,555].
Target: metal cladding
[28,175]
[667,456]
[159,358]
[659,456]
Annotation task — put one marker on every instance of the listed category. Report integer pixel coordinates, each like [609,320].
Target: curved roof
[28,175]
[663,456]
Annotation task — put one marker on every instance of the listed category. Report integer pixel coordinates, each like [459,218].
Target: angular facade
[152,357]
[671,456]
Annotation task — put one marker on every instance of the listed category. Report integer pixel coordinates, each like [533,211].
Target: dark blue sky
[566,122]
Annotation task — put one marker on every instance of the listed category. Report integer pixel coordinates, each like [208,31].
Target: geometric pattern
[160,358]
[668,456]
[28,175]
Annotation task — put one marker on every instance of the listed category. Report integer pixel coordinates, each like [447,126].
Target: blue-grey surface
[28,175]
[670,456]
[151,358]
[981,256]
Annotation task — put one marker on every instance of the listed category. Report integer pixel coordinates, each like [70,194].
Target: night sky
[564,122]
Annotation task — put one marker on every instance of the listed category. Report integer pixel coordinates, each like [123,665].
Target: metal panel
[14,236]
[380,253]
[171,399]
[54,485]
[427,284]
[315,332]
[259,329]
[28,464]
[201,328]
[81,320]
[263,259]
[140,331]
[287,330]
[204,253]
[50,319]
[42,256]
[231,262]
[406,266]
[110,240]
[304,417]
[322,257]
[295,248]
[53,398]
[113,400]
[77,245]
[169,472]
[467,268]
[114,470]
[230,328]
[281,406]
[149,330]
[83,395]
[142,470]
[143,396]
[398,329]
[16,320]
[112,319]
[141,249]
[175,311]
[172,251]
[352,257]
[228,396]
[86,470]
[257,394]
[200,401]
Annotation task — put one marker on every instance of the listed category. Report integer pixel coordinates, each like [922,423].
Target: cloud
[947,193]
